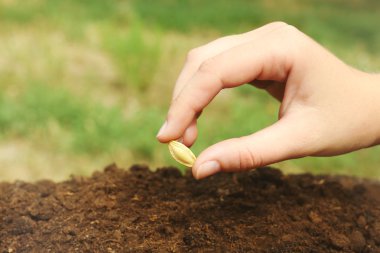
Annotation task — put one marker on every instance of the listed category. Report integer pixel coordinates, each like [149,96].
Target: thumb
[280,141]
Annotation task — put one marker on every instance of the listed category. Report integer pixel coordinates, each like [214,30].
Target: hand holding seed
[327,108]
[181,153]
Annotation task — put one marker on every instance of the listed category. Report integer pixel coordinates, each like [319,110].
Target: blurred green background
[85,83]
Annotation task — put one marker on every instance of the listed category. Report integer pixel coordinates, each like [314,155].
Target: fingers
[281,141]
[190,134]
[198,55]
[178,120]
[263,60]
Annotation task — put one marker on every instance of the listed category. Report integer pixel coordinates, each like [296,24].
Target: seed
[181,153]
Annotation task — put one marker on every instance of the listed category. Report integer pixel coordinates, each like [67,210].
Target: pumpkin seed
[181,153]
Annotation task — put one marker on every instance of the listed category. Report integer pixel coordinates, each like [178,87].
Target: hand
[327,108]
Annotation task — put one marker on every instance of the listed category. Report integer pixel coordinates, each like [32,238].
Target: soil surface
[163,211]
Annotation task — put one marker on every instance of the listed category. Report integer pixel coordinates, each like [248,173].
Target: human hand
[327,108]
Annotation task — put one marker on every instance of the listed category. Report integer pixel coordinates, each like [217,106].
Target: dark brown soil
[142,211]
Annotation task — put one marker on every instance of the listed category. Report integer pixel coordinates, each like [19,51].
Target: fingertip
[207,169]
[194,171]
[162,130]
[219,157]
[161,139]
[195,168]
[168,133]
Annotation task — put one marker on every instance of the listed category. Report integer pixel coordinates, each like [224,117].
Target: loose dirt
[163,211]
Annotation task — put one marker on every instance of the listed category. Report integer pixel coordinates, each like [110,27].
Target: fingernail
[180,140]
[162,129]
[207,169]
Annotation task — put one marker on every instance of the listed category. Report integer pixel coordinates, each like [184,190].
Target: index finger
[264,60]
[198,55]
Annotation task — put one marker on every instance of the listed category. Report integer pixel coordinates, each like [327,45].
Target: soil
[163,211]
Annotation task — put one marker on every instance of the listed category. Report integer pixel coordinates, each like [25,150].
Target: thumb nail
[207,169]
[162,129]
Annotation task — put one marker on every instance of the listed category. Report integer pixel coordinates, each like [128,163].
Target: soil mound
[163,211]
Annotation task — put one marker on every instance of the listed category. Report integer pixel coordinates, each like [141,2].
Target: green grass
[134,55]
[337,22]
[90,127]
[87,83]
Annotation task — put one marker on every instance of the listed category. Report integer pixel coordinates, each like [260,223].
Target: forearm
[366,112]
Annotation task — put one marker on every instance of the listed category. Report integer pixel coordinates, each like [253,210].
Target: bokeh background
[85,83]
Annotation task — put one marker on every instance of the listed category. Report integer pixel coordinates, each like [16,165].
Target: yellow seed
[181,153]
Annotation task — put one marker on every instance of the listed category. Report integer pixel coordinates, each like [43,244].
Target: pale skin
[327,107]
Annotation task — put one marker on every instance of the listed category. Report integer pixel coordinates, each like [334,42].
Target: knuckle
[291,40]
[207,66]
[284,28]
[247,159]
[193,54]
[290,32]
[291,29]
[278,23]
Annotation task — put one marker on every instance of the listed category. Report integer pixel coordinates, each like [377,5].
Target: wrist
[374,105]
